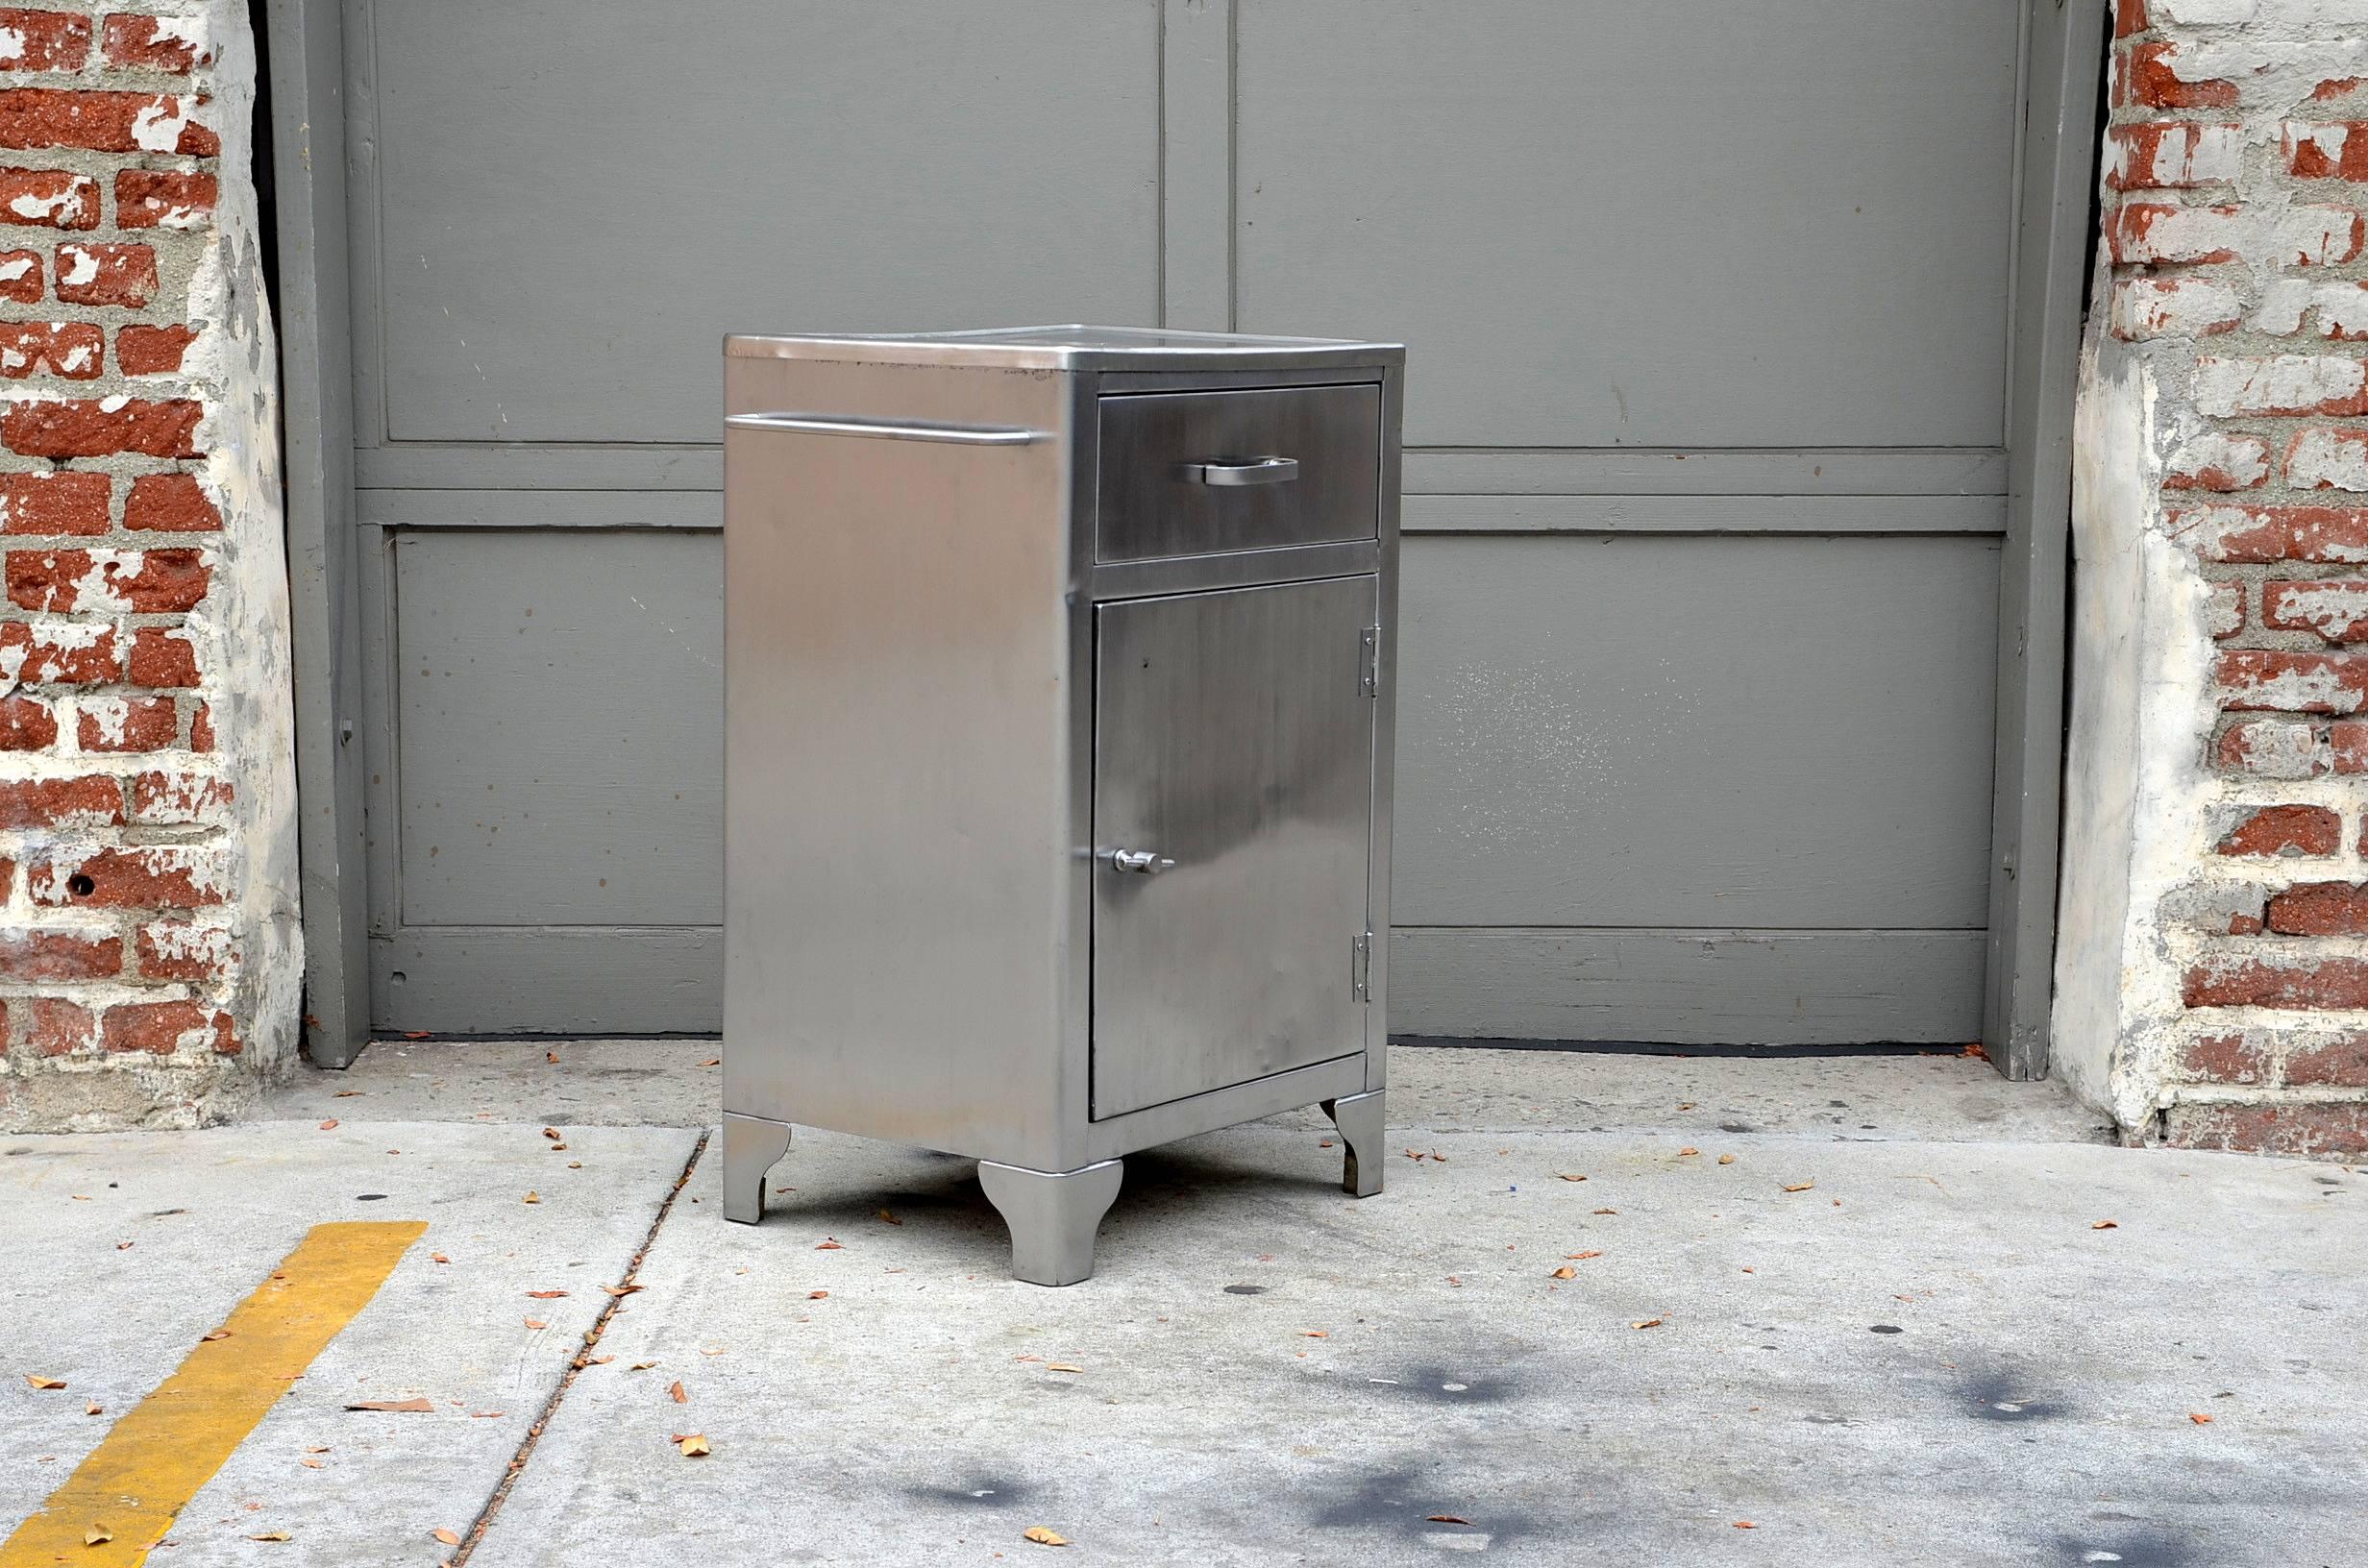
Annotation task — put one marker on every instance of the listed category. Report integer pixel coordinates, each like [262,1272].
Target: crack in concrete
[475,1532]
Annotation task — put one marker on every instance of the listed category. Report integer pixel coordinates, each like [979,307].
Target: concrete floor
[1929,1356]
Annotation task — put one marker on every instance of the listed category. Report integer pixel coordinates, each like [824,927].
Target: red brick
[2348,747]
[57,653]
[48,198]
[20,276]
[56,1027]
[2290,984]
[2261,535]
[53,40]
[2142,233]
[2341,1063]
[91,800]
[2276,830]
[2328,459]
[185,951]
[2281,749]
[2320,909]
[2260,679]
[2233,386]
[2224,1058]
[96,273]
[105,122]
[2161,155]
[92,428]
[163,1027]
[148,43]
[151,351]
[129,724]
[76,350]
[59,503]
[175,799]
[2151,80]
[156,877]
[2213,461]
[2328,150]
[164,199]
[61,580]
[2129,18]
[163,657]
[2298,1128]
[201,728]
[2335,88]
[170,503]
[58,955]
[2337,610]
[26,724]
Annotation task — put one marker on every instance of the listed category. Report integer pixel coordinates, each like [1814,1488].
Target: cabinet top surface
[1066,348]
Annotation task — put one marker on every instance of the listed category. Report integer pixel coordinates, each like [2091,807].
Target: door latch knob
[1146,862]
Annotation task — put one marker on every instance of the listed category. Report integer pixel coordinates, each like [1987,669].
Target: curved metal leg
[752,1147]
[1362,1122]
[1052,1215]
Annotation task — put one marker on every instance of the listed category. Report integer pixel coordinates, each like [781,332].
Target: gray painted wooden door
[1706,311]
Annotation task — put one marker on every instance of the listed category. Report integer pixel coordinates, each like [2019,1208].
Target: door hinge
[1368,661]
[1360,967]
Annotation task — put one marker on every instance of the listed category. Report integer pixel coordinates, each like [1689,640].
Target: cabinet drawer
[1201,473]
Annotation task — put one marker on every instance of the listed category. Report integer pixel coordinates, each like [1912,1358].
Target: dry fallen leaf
[1684,1105]
[312,1464]
[1582,1256]
[349,1094]
[712,1061]
[1684,1152]
[97,1535]
[1646,1323]
[536,1323]
[694,1444]
[321,1448]
[415,1034]
[2106,1225]
[1315,1334]
[551,1056]
[219,1333]
[1726,1158]
[1042,1537]
[623,1289]
[1446,1519]
[573,1165]
[551,1133]
[826,1244]
[1062,1367]
[1570,1176]
[450,1537]
[330,1123]
[1566,1272]
[1798,1187]
[1606,1211]
[641,1366]
[44,1383]
[678,1393]
[438,1258]
[93,1409]
[887,1218]
[2199,1420]
[272,1535]
[817,1295]
[416,1407]
[1745,1524]
[545,1295]
[534,1197]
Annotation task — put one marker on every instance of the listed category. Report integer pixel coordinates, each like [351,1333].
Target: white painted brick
[2328,460]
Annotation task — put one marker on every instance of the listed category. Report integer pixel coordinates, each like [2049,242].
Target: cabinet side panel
[896,855]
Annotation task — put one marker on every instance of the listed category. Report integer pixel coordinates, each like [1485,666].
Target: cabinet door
[1234,737]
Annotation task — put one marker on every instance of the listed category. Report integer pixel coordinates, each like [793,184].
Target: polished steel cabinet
[1058,710]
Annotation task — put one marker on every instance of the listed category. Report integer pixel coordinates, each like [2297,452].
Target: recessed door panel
[1234,739]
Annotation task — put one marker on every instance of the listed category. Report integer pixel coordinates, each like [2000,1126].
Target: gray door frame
[2063,51]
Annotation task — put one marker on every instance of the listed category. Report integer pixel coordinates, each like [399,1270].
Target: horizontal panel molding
[1687,987]
[586,980]
[698,509]
[1704,514]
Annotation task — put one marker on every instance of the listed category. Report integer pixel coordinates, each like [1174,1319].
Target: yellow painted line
[144,1473]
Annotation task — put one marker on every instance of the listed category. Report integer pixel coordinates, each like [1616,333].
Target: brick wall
[146,900]
[2224,515]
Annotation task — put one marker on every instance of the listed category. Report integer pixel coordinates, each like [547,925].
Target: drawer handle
[1145,862]
[885,430]
[1255,471]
